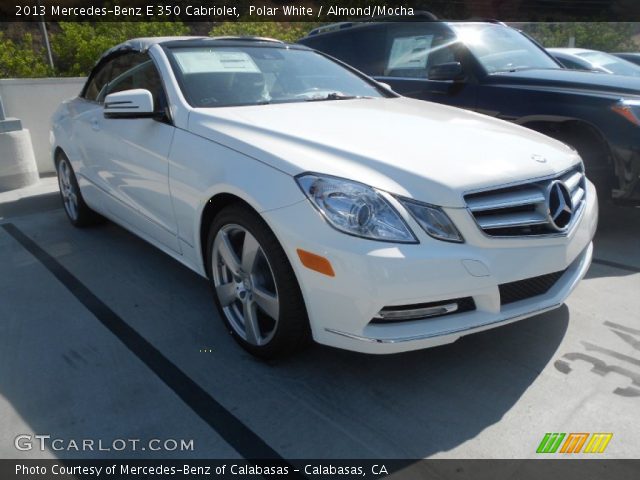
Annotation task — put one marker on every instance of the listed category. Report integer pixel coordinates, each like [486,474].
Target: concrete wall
[33,101]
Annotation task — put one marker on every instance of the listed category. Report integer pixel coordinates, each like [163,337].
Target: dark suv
[496,70]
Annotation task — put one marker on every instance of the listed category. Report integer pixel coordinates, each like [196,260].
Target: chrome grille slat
[508,220]
[506,200]
[572,180]
[577,196]
[523,209]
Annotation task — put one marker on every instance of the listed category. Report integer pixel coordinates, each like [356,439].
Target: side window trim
[163,87]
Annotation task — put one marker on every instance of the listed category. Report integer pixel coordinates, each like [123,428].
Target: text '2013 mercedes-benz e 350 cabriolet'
[319,203]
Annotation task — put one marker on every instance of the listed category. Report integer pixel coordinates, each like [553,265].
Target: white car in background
[593,60]
[319,203]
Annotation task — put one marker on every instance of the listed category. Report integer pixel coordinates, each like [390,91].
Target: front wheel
[254,285]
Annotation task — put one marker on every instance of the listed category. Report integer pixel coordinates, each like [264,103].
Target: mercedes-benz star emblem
[559,206]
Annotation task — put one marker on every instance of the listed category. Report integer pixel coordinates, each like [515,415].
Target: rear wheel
[628,175]
[254,286]
[79,214]
[600,173]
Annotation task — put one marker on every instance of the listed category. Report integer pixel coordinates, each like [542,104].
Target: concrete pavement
[67,373]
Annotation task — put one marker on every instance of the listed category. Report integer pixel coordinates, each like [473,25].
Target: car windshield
[611,63]
[501,49]
[221,76]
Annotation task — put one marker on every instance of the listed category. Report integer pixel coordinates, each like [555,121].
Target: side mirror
[447,71]
[385,85]
[137,103]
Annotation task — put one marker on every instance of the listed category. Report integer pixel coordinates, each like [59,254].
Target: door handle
[94,124]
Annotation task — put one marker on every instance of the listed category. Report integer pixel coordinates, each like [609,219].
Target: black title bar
[315,10]
[584,469]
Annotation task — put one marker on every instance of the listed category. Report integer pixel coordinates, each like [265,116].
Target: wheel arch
[296,321]
[589,141]
[57,153]
[213,206]
[556,126]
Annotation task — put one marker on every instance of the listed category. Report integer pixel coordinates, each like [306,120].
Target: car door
[86,111]
[131,161]
[412,50]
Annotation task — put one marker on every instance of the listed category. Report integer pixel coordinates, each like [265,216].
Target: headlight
[629,109]
[433,220]
[354,208]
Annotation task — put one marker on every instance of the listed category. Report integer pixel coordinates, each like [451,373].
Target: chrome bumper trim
[389,314]
[443,333]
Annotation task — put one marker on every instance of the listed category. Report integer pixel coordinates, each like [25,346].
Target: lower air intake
[527,288]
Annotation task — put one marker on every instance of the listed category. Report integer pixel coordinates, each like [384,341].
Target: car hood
[615,85]
[417,149]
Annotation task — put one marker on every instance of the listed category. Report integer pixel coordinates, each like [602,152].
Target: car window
[611,63]
[633,58]
[226,76]
[413,54]
[569,63]
[501,49]
[98,80]
[135,71]
[361,47]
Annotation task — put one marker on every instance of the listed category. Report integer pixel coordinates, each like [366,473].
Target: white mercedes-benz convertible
[318,203]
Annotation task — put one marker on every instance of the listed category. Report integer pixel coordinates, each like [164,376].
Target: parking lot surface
[103,337]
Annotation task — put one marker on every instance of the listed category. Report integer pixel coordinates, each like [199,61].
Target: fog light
[391,315]
[424,310]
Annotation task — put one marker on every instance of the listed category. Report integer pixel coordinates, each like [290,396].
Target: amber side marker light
[626,110]
[316,262]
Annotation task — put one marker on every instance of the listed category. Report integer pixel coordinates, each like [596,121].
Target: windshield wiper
[336,96]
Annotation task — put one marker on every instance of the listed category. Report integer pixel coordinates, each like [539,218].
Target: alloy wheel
[67,189]
[245,284]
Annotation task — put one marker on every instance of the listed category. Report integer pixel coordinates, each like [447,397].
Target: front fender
[200,169]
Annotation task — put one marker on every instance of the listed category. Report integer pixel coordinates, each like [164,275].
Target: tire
[251,278]
[603,179]
[628,176]
[78,213]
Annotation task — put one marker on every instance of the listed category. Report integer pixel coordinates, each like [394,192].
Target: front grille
[523,209]
[465,304]
[529,287]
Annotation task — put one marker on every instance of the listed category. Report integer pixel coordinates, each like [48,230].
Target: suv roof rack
[420,15]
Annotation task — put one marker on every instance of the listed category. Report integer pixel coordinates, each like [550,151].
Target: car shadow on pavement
[30,204]
[433,400]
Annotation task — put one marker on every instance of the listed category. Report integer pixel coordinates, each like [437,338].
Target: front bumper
[371,275]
